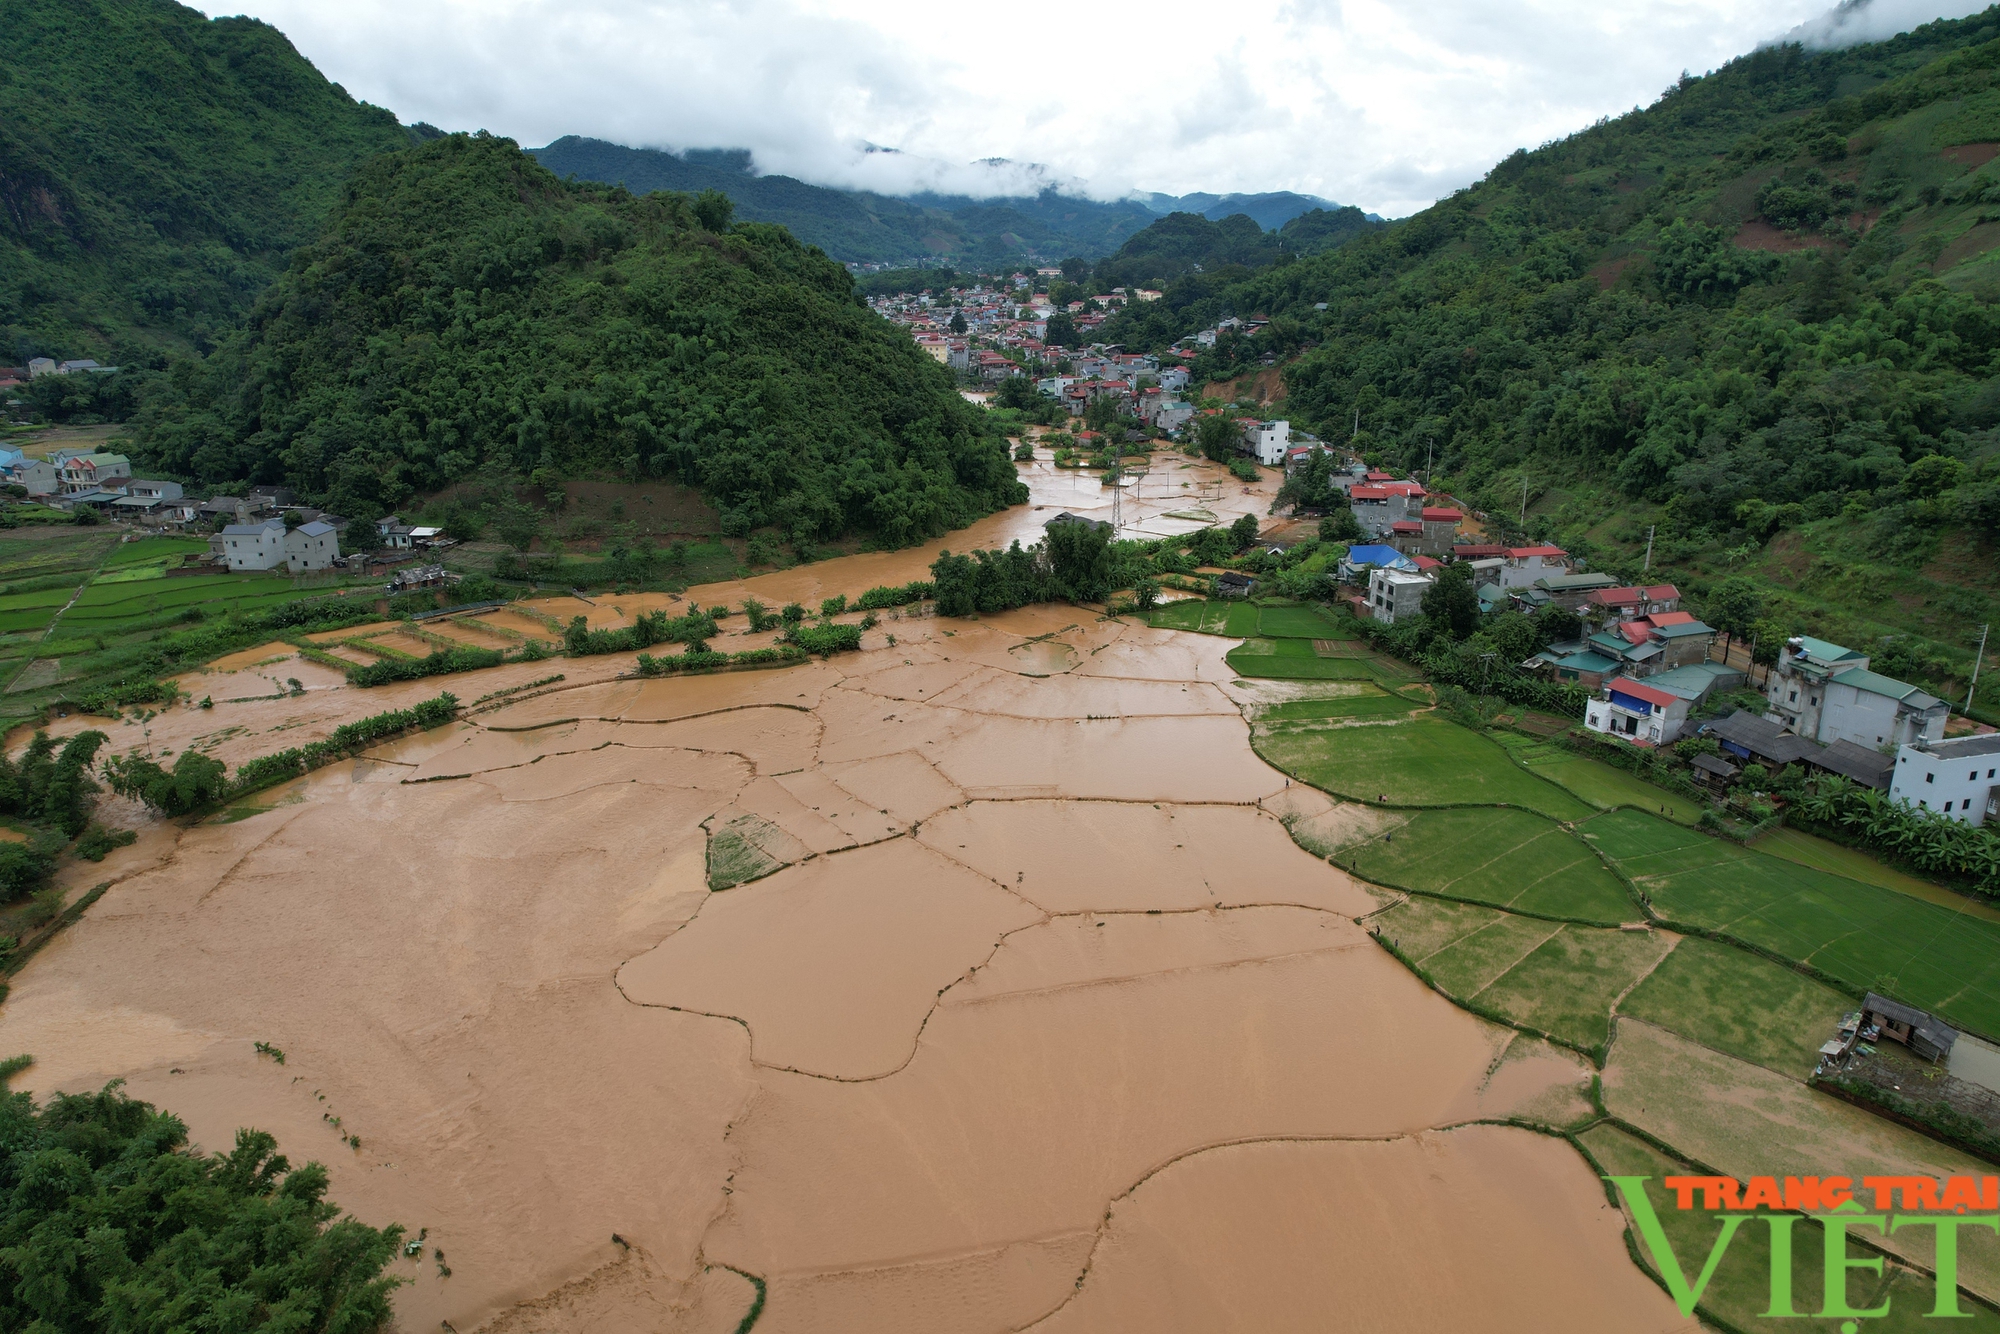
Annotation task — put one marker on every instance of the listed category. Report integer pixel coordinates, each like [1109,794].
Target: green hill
[859,226]
[467,310]
[1756,318]
[156,169]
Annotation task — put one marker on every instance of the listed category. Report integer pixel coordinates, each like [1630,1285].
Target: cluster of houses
[98,478]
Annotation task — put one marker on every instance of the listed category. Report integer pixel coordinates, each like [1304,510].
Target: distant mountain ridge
[861,226]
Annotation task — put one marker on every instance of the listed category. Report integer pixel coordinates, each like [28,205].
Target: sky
[1388,104]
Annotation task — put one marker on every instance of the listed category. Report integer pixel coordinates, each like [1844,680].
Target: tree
[1017,392]
[1558,624]
[1311,487]
[1244,531]
[958,325]
[1450,603]
[1075,268]
[1733,607]
[1218,436]
[196,781]
[1079,556]
[1340,525]
[713,210]
[111,1220]
[1060,331]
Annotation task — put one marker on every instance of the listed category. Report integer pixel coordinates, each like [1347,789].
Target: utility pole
[1486,677]
[1649,547]
[1111,480]
[1429,446]
[1524,499]
[1967,710]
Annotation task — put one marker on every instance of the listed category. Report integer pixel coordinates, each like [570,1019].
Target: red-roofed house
[1426,563]
[1623,603]
[1636,712]
[1377,475]
[1440,528]
[1662,597]
[1477,551]
[1407,536]
[1527,564]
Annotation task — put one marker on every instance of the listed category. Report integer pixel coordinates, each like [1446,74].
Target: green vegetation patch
[1366,701]
[1737,1002]
[1302,623]
[1503,857]
[1471,963]
[1566,985]
[1598,783]
[1864,935]
[1185,614]
[1241,621]
[1424,762]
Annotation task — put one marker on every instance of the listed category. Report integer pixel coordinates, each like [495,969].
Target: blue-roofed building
[1359,560]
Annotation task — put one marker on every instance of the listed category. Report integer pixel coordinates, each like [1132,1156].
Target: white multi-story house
[254,546]
[311,546]
[1825,693]
[1959,777]
[1394,593]
[1634,711]
[1267,441]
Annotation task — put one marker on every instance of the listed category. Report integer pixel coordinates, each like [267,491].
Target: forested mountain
[1182,244]
[156,169]
[858,226]
[466,309]
[1758,314]
[1270,211]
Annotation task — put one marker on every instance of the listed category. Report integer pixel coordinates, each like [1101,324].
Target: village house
[1527,565]
[1634,711]
[1267,441]
[1440,528]
[1394,593]
[1360,560]
[94,472]
[1234,584]
[1571,590]
[311,546]
[1959,777]
[1825,692]
[40,477]
[254,546]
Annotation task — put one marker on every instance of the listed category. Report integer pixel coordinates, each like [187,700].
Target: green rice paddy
[1866,936]
[1598,783]
[1736,1002]
[1424,762]
[1559,978]
[1504,857]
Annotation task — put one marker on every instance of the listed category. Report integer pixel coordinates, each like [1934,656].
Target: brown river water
[1038,1017]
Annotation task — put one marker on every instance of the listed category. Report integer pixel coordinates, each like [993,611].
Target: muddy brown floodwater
[1022,1009]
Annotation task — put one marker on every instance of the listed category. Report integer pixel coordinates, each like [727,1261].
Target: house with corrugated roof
[1633,711]
[1825,692]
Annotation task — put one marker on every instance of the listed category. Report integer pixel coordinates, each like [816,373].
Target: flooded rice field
[970,982]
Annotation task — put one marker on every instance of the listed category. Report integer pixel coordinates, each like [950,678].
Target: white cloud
[1383,103]
[1854,21]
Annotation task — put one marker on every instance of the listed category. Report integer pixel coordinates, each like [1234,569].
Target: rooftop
[1960,747]
[1823,650]
[1575,583]
[1625,685]
[1860,678]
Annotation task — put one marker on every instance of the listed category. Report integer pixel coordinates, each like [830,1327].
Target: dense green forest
[1183,244]
[111,1220]
[467,311]
[1754,319]
[156,169]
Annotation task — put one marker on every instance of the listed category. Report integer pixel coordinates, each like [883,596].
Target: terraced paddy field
[1427,761]
[1863,935]
[1017,975]
[1600,784]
